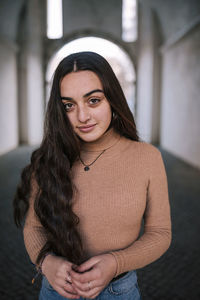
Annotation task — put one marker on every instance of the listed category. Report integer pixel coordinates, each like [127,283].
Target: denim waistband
[119,276]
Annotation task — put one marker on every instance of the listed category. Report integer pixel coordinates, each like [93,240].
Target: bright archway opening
[115,55]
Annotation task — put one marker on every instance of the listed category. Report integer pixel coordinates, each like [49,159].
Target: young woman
[89,186]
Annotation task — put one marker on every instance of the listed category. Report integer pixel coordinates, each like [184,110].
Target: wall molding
[175,38]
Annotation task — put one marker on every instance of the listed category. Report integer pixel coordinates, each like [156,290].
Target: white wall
[21,73]
[180,129]
[145,77]
[178,103]
[8,97]
[9,11]
[31,76]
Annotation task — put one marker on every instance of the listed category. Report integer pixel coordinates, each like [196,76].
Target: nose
[83,114]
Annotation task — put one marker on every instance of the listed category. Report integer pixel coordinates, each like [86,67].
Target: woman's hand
[57,271]
[98,271]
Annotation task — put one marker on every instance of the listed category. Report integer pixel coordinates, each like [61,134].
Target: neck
[107,140]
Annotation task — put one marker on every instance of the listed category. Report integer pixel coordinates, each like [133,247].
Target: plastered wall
[168,59]
[8,98]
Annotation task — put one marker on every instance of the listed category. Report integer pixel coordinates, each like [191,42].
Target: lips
[87,128]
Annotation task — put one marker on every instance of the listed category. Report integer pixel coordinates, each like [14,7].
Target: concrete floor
[175,276]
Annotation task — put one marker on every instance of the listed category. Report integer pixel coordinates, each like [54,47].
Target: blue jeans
[124,288]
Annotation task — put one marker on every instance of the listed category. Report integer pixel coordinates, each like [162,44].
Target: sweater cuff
[119,260]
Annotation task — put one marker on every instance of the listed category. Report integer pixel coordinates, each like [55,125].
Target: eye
[94,101]
[68,106]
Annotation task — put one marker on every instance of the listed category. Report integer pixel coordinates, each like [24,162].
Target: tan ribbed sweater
[127,184]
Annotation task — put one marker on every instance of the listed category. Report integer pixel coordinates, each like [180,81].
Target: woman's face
[86,105]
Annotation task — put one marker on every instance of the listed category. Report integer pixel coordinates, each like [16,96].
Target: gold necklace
[87,167]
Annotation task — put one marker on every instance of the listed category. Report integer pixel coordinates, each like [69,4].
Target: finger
[95,295]
[84,287]
[63,284]
[69,288]
[89,293]
[87,265]
[68,277]
[65,266]
[83,277]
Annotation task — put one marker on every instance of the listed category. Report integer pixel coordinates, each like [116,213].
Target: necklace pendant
[87,167]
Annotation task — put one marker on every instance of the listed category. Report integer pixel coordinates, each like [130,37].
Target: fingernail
[69,277]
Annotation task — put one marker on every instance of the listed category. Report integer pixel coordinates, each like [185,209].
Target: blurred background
[154,49]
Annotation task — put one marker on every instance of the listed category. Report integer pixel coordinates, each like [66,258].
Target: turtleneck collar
[107,140]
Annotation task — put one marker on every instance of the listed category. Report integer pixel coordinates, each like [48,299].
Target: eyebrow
[86,95]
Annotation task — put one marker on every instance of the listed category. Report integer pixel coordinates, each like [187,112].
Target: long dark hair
[51,163]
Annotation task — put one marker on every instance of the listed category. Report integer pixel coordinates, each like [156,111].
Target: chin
[90,137]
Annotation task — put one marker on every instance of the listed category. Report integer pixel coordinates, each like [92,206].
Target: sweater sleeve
[157,222]
[34,232]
